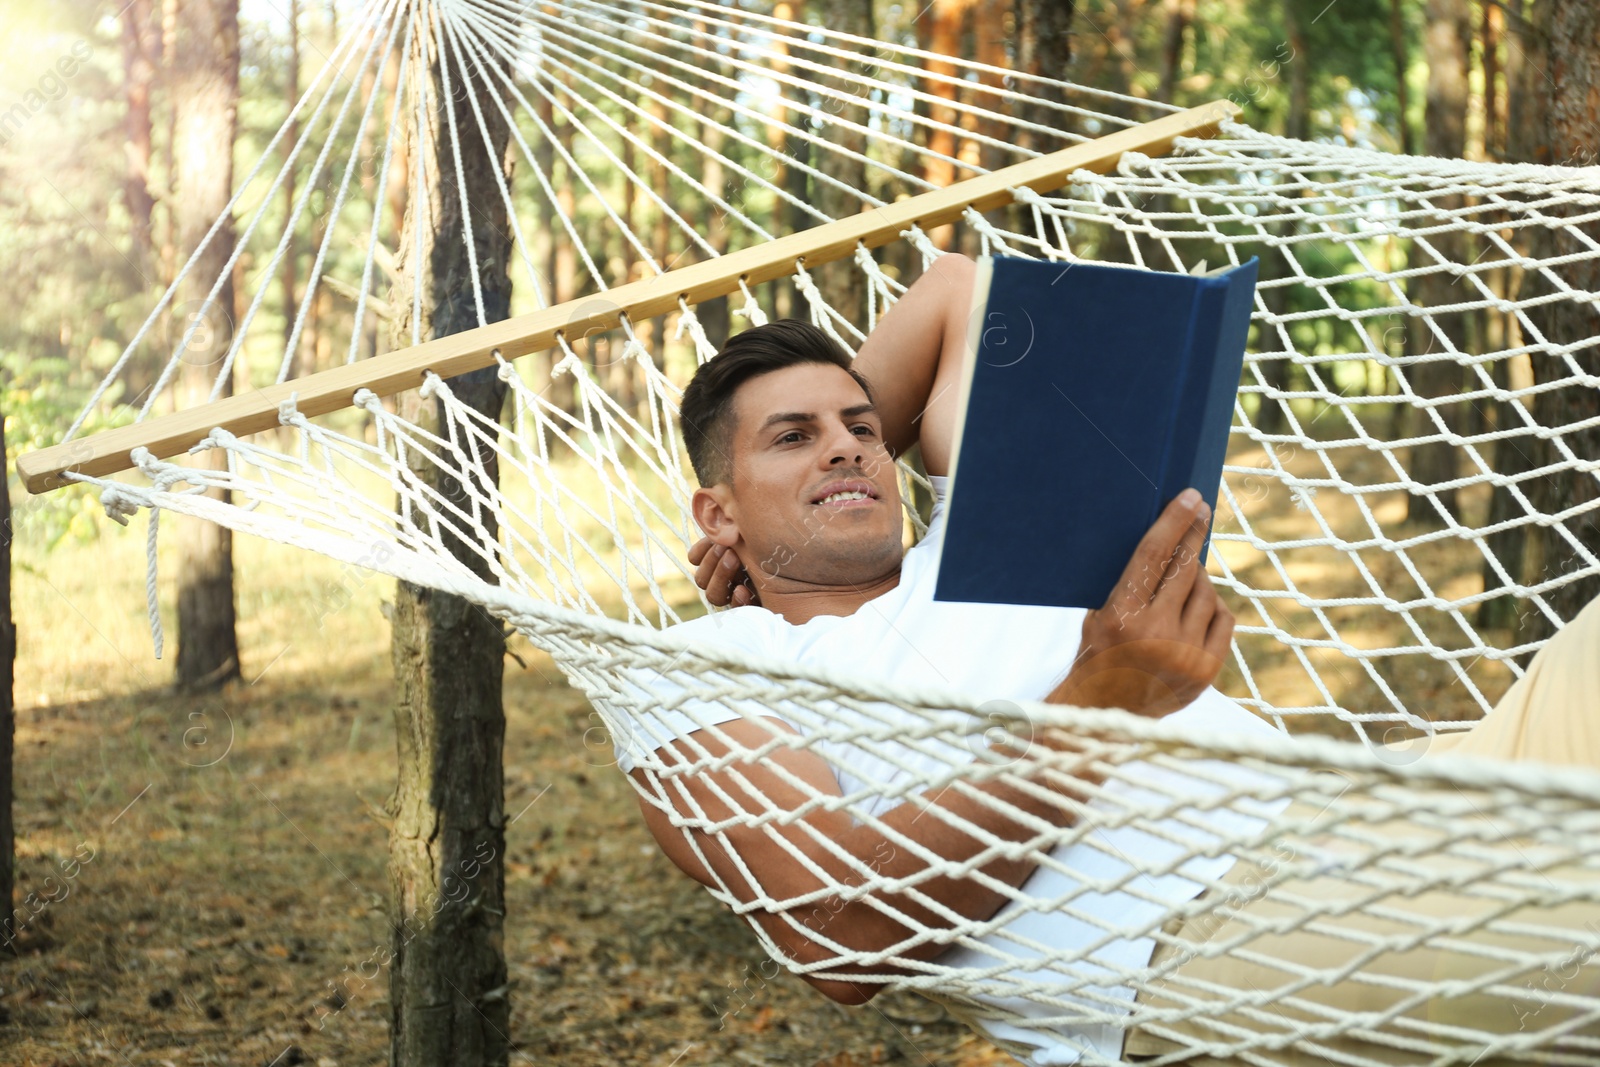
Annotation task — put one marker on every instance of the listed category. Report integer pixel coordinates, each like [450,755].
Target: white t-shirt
[994,652]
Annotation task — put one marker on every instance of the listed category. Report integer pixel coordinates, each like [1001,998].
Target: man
[794,447]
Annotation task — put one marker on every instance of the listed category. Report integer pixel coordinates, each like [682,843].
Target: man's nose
[845,448]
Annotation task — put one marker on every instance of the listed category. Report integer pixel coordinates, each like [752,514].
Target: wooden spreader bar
[395,372]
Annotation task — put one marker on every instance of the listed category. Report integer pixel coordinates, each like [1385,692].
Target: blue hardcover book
[1098,394]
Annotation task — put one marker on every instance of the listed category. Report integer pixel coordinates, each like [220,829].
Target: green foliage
[78,289]
[39,399]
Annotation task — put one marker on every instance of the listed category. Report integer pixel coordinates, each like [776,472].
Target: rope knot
[1132,161]
[703,347]
[1023,194]
[751,309]
[288,412]
[569,362]
[634,350]
[120,502]
[219,437]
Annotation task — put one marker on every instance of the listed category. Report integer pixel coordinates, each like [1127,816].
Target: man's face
[814,496]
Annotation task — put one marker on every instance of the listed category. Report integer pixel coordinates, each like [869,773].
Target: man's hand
[1161,637]
[721,574]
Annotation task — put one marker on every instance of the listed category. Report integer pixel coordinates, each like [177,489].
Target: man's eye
[868,429]
[791,434]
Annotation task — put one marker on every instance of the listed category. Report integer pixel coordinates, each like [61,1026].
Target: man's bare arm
[1000,808]
[1156,645]
[915,357]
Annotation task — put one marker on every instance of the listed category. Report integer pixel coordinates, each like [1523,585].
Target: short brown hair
[707,409]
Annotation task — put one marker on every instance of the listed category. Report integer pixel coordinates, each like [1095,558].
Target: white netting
[1413,314]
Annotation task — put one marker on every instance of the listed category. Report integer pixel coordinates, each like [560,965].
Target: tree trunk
[169,68]
[139,43]
[782,289]
[1567,76]
[1525,140]
[1493,119]
[1298,123]
[550,237]
[661,232]
[1044,48]
[8,654]
[1402,90]
[840,282]
[206,99]
[991,34]
[1180,13]
[1447,41]
[714,314]
[946,18]
[448,984]
[291,301]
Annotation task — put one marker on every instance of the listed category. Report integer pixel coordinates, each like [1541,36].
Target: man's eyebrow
[787,416]
[808,416]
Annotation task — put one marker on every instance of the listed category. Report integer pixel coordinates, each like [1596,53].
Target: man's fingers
[706,572]
[718,571]
[698,550]
[1219,634]
[1200,606]
[1183,569]
[1143,574]
[728,578]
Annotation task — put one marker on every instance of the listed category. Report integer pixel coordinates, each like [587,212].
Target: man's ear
[713,511]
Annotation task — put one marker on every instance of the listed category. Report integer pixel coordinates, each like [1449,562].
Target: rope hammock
[1357,624]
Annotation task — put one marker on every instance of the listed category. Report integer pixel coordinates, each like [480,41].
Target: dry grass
[238,865]
[220,906]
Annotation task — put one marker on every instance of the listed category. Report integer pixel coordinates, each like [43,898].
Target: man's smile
[854,493]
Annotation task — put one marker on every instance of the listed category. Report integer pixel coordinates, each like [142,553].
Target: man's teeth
[852,495]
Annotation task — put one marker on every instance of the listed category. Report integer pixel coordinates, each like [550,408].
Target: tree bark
[992,30]
[550,237]
[1447,41]
[784,300]
[8,654]
[1493,127]
[1180,13]
[715,314]
[291,299]
[1044,48]
[945,21]
[206,100]
[840,282]
[139,44]
[1402,91]
[448,984]
[169,233]
[1569,87]
[1524,140]
[661,232]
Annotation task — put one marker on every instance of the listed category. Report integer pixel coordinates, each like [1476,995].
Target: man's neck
[799,602]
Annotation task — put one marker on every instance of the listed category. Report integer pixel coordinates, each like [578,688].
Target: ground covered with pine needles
[201,879]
